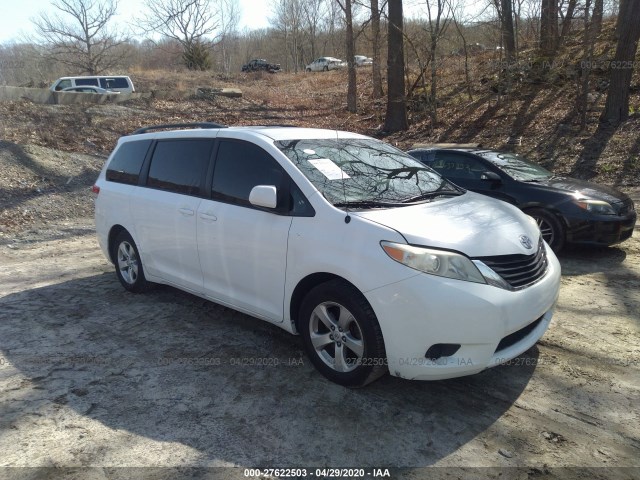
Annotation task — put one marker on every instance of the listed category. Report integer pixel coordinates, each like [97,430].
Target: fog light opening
[440,350]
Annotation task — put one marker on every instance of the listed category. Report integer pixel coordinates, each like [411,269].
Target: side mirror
[264,196]
[491,177]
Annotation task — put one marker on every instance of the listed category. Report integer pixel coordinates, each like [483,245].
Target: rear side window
[240,166]
[127,161]
[87,81]
[115,82]
[180,166]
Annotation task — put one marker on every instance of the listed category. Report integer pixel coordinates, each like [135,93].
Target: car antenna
[347,219]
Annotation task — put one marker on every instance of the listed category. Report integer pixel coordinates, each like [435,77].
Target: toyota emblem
[526,242]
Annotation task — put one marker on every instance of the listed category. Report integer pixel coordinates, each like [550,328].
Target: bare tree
[191,23]
[376,73]
[628,33]
[79,35]
[396,117]
[437,26]
[352,92]
[549,27]
[504,8]
[229,21]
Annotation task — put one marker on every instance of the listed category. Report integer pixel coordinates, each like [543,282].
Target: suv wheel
[341,334]
[128,264]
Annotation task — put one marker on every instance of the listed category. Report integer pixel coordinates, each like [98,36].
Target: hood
[473,224]
[588,189]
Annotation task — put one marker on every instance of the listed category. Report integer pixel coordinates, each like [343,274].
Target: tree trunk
[377,91]
[598,9]
[628,33]
[548,27]
[508,33]
[352,93]
[396,118]
[566,23]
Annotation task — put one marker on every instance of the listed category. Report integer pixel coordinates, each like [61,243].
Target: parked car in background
[260,64]
[90,89]
[324,64]
[362,61]
[378,262]
[114,83]
[566,209]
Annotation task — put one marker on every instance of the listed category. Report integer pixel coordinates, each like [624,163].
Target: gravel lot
[92,376]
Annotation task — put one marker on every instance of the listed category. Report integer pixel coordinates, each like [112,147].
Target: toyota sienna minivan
[375,260]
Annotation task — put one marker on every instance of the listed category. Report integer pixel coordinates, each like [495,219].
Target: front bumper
[600,230]
[424,310]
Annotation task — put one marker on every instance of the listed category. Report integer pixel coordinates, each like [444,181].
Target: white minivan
[378,262]
[117,83]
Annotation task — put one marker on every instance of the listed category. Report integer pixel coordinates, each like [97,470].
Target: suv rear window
[127,161]
[116,82]
[180,166]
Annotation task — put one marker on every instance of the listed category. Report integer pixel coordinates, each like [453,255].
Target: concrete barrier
[46,96]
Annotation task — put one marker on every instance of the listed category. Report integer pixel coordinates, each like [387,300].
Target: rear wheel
[341,334]
[550,227]
[128,264]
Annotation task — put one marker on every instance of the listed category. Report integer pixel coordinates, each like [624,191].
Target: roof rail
[179,125]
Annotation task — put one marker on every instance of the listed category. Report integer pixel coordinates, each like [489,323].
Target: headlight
[434,262]
[597,207]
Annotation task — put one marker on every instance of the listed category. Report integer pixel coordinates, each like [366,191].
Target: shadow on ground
[172,367]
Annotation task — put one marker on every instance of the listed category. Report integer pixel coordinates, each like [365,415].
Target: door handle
[186,211]
[209,217]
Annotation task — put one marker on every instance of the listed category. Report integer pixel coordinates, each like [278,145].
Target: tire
[550,226]
[307,70]
[128,265]
[326,69]
[356,357]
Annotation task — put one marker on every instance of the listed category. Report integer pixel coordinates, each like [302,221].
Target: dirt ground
[92,376]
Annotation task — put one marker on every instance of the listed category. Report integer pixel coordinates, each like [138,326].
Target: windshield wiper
[367,204]
[432,195]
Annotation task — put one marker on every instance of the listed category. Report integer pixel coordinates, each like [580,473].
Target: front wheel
[326,69]
[341,334]
[550,227]
[128,264]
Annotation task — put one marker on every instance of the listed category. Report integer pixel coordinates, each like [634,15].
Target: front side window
[180,166]
[240,166]
[87,81]
[364,172]
[458,166]
[127,161]
[63,84]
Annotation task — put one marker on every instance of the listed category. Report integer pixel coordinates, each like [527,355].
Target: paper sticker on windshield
[329,169]
[308,151]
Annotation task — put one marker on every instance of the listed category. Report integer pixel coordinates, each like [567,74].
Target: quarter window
[127,161]
[180,166]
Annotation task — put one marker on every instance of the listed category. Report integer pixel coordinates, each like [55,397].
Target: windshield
[518,167]
[364,171]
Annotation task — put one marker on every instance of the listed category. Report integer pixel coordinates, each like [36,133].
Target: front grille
[519,271]
[515,337]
